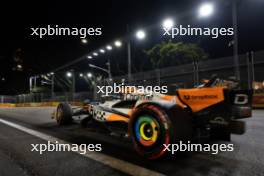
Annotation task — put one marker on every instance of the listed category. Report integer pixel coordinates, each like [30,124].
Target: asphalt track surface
[21,127]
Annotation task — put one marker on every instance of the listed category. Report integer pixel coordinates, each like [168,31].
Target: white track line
[115,163]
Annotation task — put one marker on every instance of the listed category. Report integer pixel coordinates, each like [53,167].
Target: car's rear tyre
[86,120]
[151,128]
[221,133]
[64,114]
[237,127]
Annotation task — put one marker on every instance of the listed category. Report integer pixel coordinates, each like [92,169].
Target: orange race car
[208,111]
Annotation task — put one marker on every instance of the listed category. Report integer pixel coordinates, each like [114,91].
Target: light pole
[73,85]
[128,56]
[109,47]
[102,69]
[93,81]
[32,83]
[109,69]
[72,75]
[235,39]
[206,10]
[140,35]
[52,85]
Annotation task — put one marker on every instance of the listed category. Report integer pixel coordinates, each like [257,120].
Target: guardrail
[42,104]
[258,100]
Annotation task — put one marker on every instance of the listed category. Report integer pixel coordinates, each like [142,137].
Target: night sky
[44,55]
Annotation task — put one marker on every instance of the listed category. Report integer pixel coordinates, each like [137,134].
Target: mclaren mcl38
[210,111]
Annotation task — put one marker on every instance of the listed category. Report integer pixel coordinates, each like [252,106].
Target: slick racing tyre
[86,120]
[220,133]
[151,128]
[64,114]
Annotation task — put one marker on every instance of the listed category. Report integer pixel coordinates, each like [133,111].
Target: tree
[168,54]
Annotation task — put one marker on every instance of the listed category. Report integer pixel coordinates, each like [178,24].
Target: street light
[89,75]
[140,34]
[102,51]
[95,54]
[206,10]
[19,66]
[84,41]
[109,47]
[69,74]
[81,75]
[118,43]
[168,23]
[89,57]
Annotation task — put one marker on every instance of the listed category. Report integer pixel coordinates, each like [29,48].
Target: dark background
[44,55]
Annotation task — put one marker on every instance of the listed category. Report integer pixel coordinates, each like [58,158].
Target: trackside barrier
[258,100]
[7,105]
[43,104]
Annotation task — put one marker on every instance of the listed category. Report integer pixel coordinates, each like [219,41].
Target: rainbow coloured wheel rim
[147,130]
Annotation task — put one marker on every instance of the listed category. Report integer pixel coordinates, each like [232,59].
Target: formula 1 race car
[209,111]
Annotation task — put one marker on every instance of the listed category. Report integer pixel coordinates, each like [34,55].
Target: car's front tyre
[64,114]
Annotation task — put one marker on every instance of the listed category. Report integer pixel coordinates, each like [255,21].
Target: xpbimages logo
[117,89]
[190,147]
[64,31]
[196,31]
[58,147]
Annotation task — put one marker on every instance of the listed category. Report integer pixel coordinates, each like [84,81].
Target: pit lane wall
[7,105]
[42,104]
[258,100]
